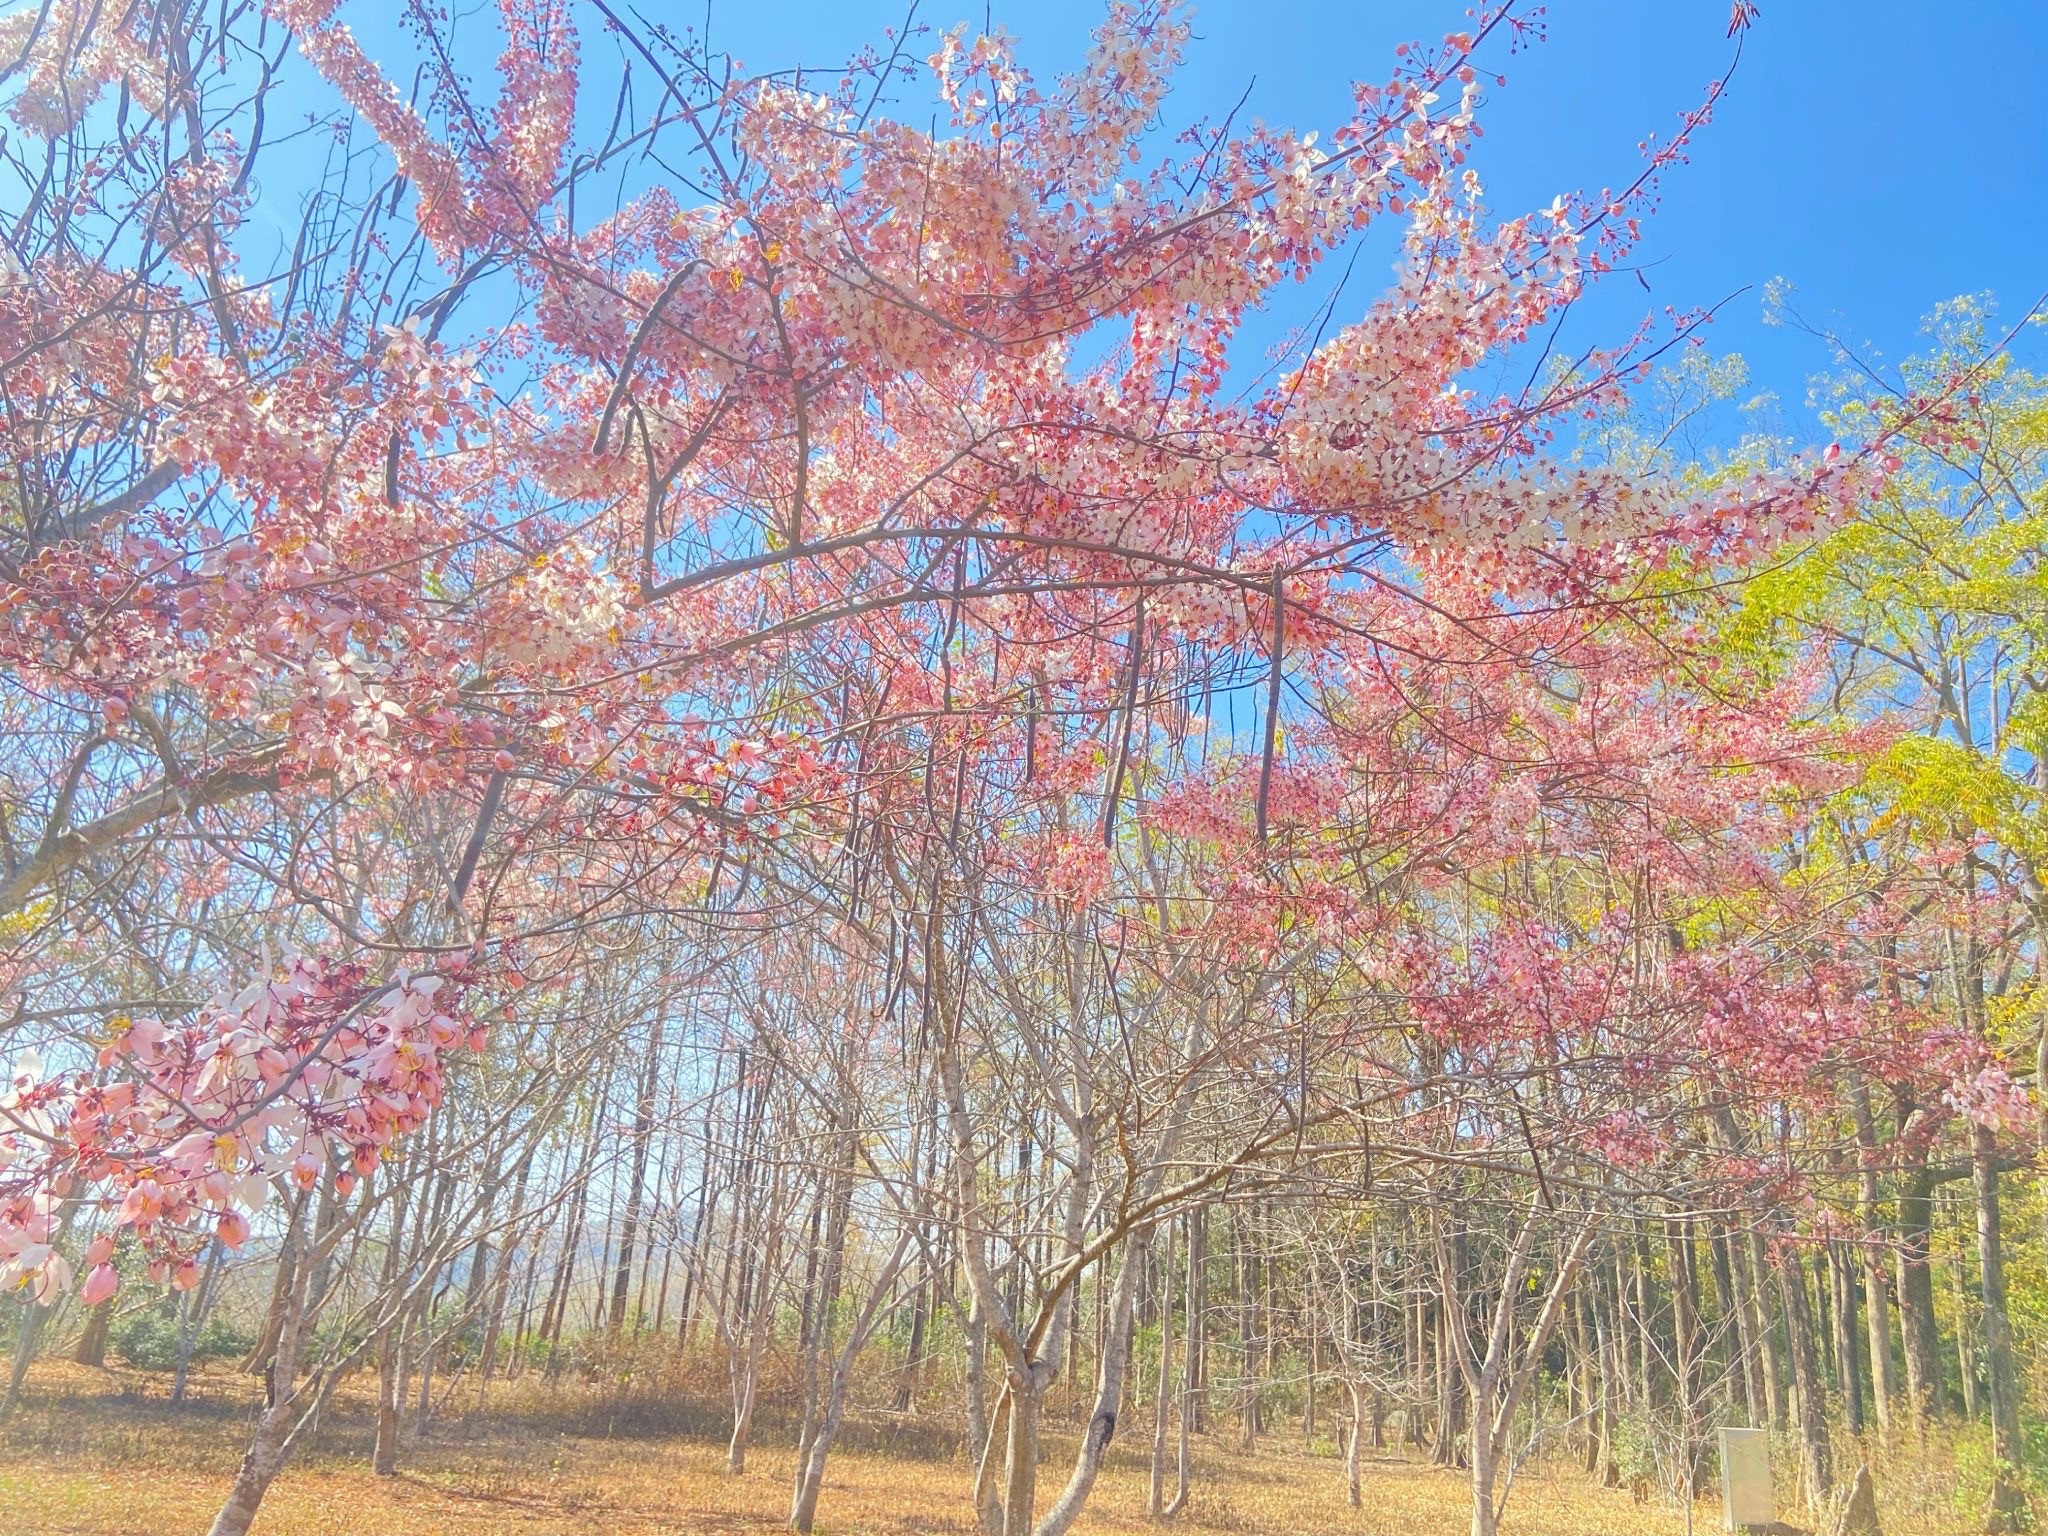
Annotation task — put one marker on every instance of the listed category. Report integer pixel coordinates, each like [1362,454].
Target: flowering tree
[508,569]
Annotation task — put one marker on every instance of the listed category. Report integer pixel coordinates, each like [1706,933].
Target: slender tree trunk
[528,1284]
[1588,1398]
[1648,1334]
[1195,1378]
[636,1179]
[1731,1285]
[1771,1359]
[2006,1510]
[1884,1385]
[28,1331]
[1610,1468]
[1805,1353]
[1352,1492]
[384,1453]
[1155,1496]
[1483,1457]
[555,1313]
[1315,1371]
[1916,1293]
[295,1292]
[913,1352]
[427,1353]
[1247,1336]
[1848,1351]
[1190,1363]
[1110,1366]
[978,1427]
[747,1385]
[811,1473]
[1968,1326]
[1497,1381]
[820,1354]
[1626,1349]
[1680,1263]
[810,1480]
[500,1283]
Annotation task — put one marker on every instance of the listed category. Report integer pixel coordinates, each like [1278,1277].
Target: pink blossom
[100,1283]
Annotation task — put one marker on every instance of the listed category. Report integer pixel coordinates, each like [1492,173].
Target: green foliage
[1633,1444]
[1975,1465]
[1936,784]
[149,1340]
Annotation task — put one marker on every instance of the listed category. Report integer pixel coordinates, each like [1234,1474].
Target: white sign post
[1746,1479]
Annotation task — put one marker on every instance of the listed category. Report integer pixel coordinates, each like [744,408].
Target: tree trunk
[500,1282]
[824,1432]
[1583,1373]
[1109,1388]
[29,1329]
[1610,1468]
[1848,1351]
[1190,1363]
[1916,1293]
[636,1182]
[837,1202]
[1805,1353]
[1771,1360]
[1315,1371]
[1967,1327]
[1650,1343]
[2006,1510]
[1731,1286]
[1352,1493]
[1626,1350]
[1884,1385]
[1247,1336]
[384,1454]
[747,1376]
[1195,1371]
[1484,1457]
[1020,1480]
[913,1353]
[811,1475]
[92,1339]
[978,1428]
[1155,1495]
[260,1466]
[296,1293]
[1679,1261]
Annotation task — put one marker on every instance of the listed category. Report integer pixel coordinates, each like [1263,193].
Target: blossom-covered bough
[319,1066]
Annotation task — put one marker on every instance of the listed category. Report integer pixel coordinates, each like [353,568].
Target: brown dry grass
[100,1453]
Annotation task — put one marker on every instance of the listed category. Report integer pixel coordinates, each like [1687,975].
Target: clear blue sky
[1881,155]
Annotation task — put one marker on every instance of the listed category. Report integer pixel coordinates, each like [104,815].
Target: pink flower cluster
[1990,1098]
[318,1066]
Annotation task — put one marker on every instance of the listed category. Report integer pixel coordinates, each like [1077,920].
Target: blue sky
[1880,155]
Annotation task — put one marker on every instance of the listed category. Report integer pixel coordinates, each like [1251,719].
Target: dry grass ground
[102,1454]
